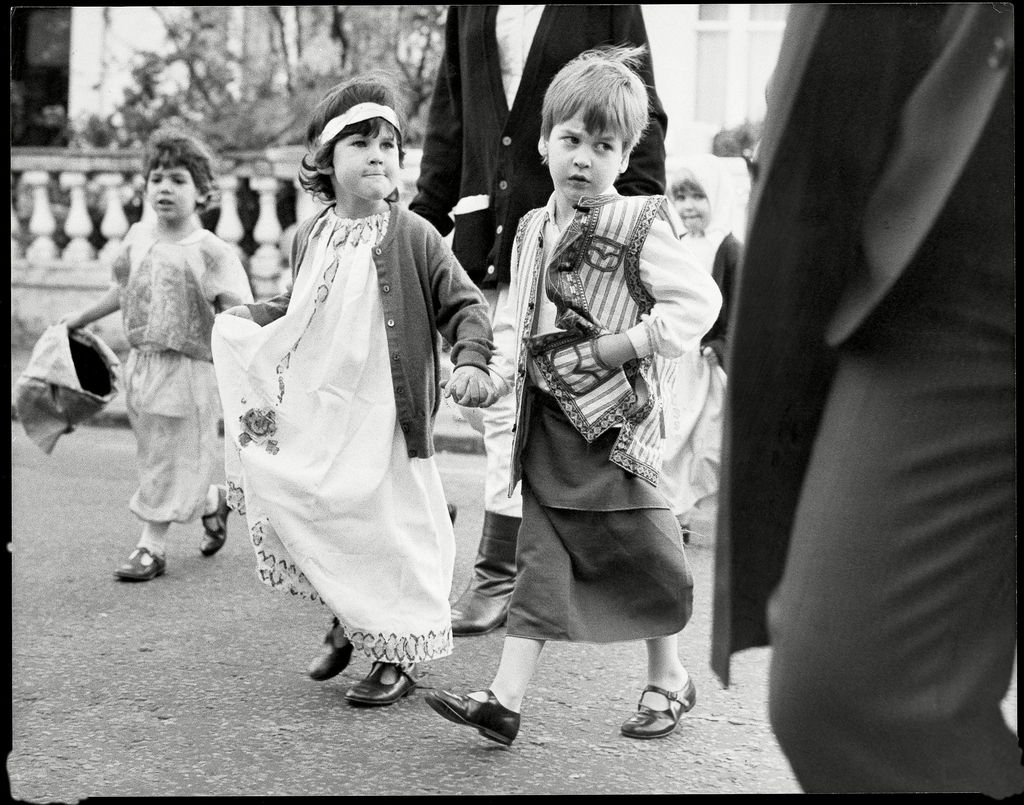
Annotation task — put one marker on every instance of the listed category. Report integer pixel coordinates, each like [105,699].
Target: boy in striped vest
[602,296]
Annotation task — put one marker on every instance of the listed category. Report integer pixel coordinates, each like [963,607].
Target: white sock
[154,538]
[212,499]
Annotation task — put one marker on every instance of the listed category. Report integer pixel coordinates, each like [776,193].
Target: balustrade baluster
[42,224]
[305,204]
[265,266]
[229,224]
[114,225]
[148,213]
[78,225]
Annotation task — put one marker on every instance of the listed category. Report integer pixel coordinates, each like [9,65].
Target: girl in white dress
[703,194]
[329,395]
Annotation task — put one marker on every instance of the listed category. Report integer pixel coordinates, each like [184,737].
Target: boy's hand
[238,310]
[471,387]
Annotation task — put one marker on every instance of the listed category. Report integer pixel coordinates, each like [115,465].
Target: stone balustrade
[70,210]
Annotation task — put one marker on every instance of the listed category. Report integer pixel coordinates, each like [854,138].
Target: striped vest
[593,278]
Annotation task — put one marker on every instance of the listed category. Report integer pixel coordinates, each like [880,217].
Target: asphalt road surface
[194,683]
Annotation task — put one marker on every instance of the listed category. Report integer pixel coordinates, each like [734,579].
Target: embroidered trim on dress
[346,232]
[236,498]
[285,576]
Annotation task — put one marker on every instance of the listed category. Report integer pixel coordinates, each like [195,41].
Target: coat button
[412,454]
[506,140]
[376,251]
[503,185]
[999,55]
[386,288]
[405,427]
[391,322]
[400,389]
[490,269]
[500,229]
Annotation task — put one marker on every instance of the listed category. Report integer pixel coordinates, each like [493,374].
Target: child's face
[695,210]
[363,170]
[172,193]
[582,163]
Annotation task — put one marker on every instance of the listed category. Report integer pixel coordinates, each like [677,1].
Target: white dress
[337,510]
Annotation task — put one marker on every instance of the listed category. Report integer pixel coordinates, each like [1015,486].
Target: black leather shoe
[372,692]
[215,525]
[332,660]
[491,718]
[649,723]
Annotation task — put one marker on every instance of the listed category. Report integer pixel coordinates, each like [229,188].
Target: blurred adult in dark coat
[867,524]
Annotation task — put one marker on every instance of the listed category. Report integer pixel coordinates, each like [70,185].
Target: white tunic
[337,511]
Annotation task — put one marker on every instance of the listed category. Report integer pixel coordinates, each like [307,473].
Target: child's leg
[212,500]
[664,669]
[519,657]
[154,538]
[215,520]
[147,560]
[659,710]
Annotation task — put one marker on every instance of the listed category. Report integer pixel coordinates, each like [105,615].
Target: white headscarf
[711,173]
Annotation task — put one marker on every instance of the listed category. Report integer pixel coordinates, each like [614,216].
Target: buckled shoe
[374,692]
[141,565]
[647,722]
[491,718]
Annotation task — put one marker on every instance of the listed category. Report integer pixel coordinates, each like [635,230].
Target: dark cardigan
[424,292]
[723,271]
[475,145]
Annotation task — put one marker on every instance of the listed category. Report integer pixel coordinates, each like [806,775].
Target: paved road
[194,683]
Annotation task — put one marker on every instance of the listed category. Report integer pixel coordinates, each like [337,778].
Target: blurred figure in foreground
[867,526]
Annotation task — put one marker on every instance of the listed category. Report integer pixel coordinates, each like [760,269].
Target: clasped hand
[471,387]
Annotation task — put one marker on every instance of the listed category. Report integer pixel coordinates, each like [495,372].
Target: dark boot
[483,607]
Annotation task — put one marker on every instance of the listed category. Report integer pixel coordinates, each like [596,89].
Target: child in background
[330,392]
[171,277]
[702,194]
[602,292]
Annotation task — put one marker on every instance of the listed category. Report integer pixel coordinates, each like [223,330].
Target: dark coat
[475,145]
[842,84]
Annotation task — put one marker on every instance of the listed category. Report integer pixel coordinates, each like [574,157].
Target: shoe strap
[671,695]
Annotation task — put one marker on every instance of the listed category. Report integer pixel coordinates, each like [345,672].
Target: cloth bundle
[69,378]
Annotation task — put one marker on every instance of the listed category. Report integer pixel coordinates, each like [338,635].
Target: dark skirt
[600,555]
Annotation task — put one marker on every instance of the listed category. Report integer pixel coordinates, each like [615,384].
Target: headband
[357,114]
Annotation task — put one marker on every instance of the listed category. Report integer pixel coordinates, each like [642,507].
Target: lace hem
[284,575]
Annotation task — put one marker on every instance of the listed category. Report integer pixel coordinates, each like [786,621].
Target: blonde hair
[604,88]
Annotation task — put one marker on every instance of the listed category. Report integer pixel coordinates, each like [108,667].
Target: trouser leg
[483,606]
[893,628]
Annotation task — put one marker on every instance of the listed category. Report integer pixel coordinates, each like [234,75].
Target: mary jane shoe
[215,526]
[374,692]
[647,722]
[490,718]
[141,565]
